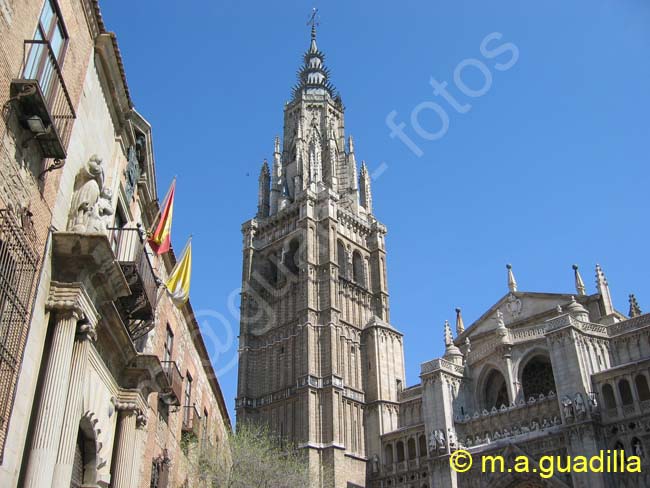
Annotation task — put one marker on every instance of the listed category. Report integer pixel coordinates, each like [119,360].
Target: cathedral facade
[320,363]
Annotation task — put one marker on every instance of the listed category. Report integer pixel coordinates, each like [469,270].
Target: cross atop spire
[313,20]
[313,76]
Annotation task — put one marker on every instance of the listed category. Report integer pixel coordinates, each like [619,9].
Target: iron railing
[138,308]
[41,91]
[174,393]
[191,420]
[18,267]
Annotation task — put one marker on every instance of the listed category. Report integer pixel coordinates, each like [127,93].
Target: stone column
[70,303]
[128,453]
[511,377]
[73,409]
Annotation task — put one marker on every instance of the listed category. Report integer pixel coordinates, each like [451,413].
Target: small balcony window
[40,96]
[38,65]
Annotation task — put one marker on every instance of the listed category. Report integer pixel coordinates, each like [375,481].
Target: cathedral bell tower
[319,362]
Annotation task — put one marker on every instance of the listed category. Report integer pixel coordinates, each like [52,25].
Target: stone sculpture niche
[91,205]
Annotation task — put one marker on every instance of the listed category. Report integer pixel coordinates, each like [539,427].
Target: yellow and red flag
[160,238]
[178,284]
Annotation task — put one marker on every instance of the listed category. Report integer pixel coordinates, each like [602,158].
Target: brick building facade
[93,389]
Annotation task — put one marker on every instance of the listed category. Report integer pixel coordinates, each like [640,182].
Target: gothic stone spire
[635,310]
[264,196]
[512,283]
[580,285]
[460,325]
[603,288]
[364,186]
[313,76]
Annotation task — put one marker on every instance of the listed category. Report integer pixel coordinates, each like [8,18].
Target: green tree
[251,457]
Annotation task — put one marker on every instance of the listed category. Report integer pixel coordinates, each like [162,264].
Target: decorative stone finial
[603,288]
[452,353]
[277,145]
[577,309]
[449,338]
[313,76]
[635,310]
[512,283]
[580,285]
[460,325]
[350,144]
[364,186]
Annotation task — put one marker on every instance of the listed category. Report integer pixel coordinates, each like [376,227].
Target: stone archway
[537,377]
[494,391]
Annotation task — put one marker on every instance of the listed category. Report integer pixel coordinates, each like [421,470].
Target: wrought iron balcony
[137,310]
[174,392]
[191,420]
[42,100]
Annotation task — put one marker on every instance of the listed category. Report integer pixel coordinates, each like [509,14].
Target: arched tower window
[388,454]
[411,448]
[358,273]
[423,445]
[341,259]
[292,257]
[626,392]
[537,377]
[642,390]
[608,396]
[495,391]
[400,451]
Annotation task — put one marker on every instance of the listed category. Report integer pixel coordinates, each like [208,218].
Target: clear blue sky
[548,168]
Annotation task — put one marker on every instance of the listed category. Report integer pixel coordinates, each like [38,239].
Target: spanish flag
[178,284]
[160,239]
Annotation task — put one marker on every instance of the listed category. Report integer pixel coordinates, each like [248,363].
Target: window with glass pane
[188,398]
[44,57]
[169,344]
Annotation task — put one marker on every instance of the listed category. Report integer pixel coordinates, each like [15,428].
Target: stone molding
[72,298]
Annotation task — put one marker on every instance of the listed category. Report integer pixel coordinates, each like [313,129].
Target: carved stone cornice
[86,332]
[130,407]
[72,298]
[88,259]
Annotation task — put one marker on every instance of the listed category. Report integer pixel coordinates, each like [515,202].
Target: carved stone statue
[87,188]
[638,448]
[567,407]
[439,437]
[100,214]
[375,464]
[499,319]
[534,425]
[451,438]
[580,407]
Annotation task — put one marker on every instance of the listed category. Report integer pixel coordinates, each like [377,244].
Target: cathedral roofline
[502,302]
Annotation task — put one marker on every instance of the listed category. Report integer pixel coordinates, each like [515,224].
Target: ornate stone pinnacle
[579,284]
[512,283]
[460,325]
[635,310]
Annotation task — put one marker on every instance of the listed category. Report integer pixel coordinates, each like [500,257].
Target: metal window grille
[18,266]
